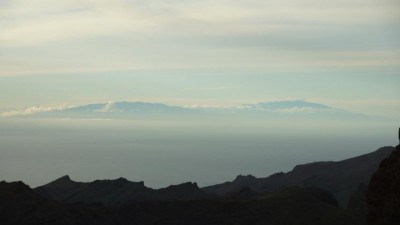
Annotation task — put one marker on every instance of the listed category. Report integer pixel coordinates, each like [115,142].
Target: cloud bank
[43,36]
[35,109]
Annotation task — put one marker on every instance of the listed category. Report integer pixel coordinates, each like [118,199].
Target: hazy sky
[341,53]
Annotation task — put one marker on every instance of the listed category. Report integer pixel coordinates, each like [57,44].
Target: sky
[56,54]
[221,52]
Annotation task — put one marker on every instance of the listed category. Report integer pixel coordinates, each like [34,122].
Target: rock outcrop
[384,192]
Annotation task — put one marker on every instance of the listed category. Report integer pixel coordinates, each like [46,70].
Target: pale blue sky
[57,53]
[341,53]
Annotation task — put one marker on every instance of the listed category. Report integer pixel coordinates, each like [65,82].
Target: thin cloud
[34,109]
[199,106]
[219,88]
[75,36]
[298,110]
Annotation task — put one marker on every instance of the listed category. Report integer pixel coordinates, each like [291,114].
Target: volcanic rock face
[384,192]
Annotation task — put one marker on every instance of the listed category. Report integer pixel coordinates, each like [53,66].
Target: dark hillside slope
[20,205]
[383,194]
[116,192]
[341,178]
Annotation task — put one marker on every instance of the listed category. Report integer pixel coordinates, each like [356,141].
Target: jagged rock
[116,192]
[384,192]
[300,206]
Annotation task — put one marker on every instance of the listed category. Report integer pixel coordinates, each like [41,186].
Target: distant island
[126,110]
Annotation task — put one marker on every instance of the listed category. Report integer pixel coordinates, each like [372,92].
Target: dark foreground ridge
[116,192]
[384,192]
[306,195]
[344,179]
[341,178]
[21,205]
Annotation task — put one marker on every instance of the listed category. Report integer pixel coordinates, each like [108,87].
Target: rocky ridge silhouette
[303,206]
[116,192]
[341,178]
[282,198]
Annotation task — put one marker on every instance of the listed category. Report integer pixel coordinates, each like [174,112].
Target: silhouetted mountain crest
[342,178]
[247,178]
[15,188]
[118,181]
[309,167]
[184,191]
[184,186]
[66,178]
[116,191]
[62,182]
[300,206]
